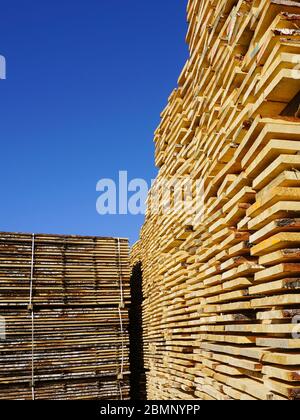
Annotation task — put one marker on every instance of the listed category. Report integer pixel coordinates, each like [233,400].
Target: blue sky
[86,82]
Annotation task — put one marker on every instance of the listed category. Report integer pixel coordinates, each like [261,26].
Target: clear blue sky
[86,82]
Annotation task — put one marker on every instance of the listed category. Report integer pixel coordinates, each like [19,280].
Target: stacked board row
[64,317]
[221,274]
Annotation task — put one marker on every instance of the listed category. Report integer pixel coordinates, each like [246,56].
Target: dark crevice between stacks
[293,108]
[138,377]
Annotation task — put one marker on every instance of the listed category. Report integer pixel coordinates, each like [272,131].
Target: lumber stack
[221,283]
[64,301]
[135,254]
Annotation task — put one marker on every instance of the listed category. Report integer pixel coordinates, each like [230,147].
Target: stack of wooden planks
[221,288]
[64,317]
